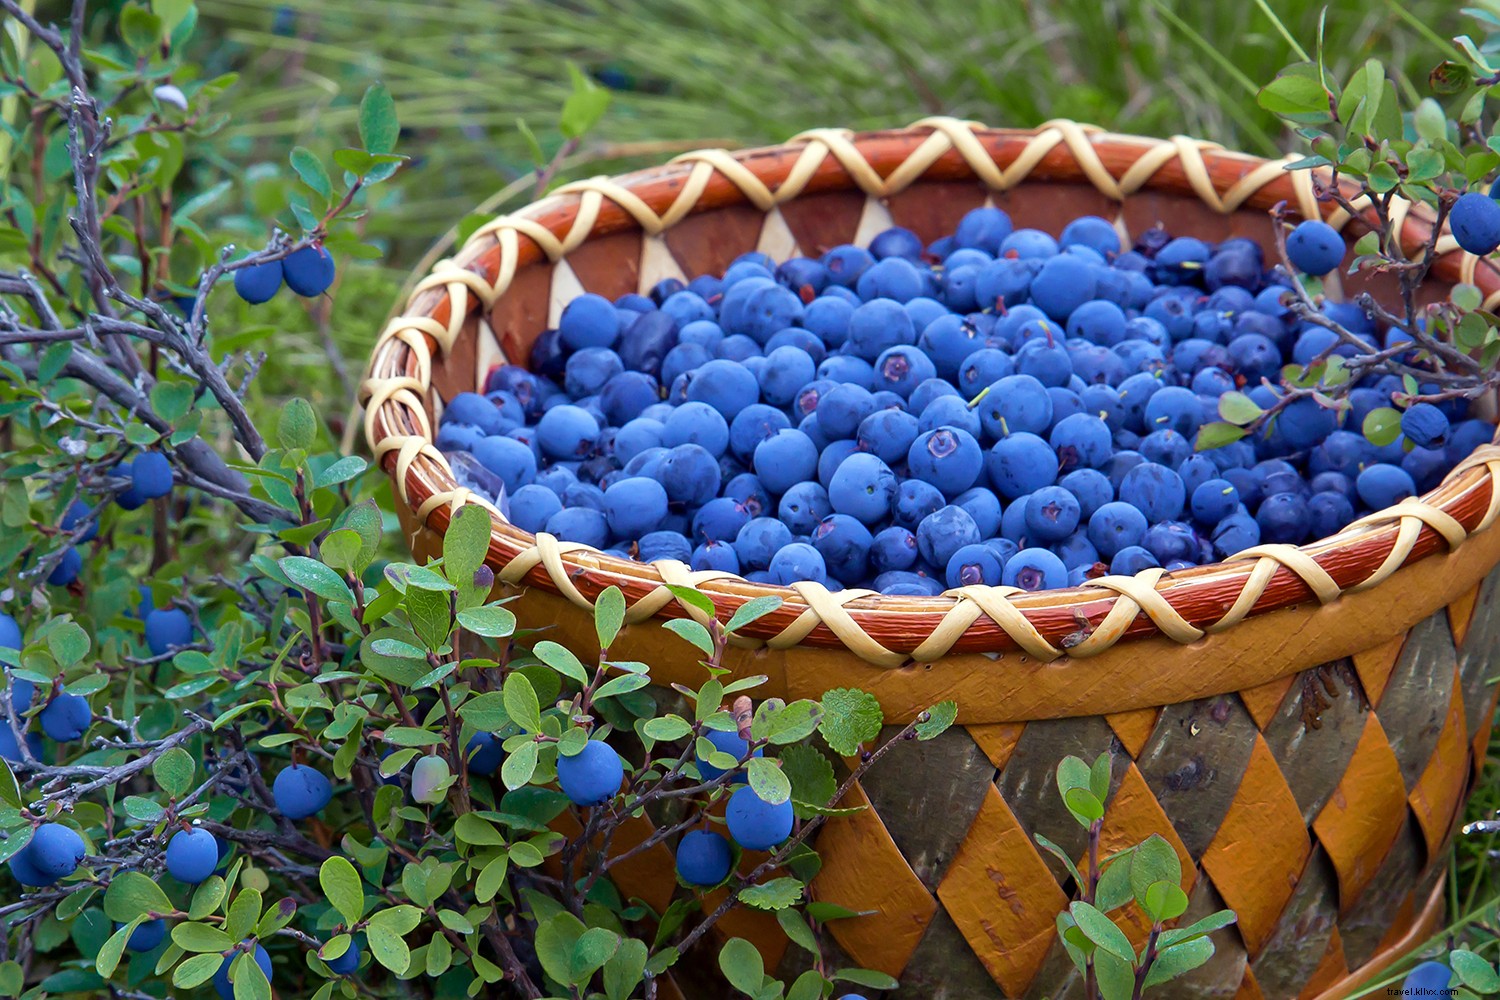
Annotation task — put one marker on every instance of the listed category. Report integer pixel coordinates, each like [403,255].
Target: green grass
[758,71]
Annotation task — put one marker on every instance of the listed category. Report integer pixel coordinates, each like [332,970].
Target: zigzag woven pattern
[455,303]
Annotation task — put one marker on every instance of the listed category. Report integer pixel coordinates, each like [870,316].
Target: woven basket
[1302,724]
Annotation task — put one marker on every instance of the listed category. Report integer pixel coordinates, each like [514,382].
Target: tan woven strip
[1141,591]
[1133,595]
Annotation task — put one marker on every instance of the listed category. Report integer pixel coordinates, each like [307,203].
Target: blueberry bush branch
[1367,148]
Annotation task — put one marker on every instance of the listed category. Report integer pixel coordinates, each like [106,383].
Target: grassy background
[693,72]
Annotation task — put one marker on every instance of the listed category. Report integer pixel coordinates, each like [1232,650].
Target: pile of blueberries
[999,407]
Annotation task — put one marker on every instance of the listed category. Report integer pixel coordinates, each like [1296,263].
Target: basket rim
[1083,621]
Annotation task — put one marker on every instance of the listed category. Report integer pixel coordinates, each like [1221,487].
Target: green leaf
[811,777]
[866,977]
[561,659]
[196,971]
[1165,901]
[297,427]
[494,622]
[786,724]
[466,543]
[850,717]
[492,879]
[777,894]
[207,897]
[624,971]
[1099,774]
[1474,972]
[521,703]
[1217,435]
[140,28]
[795,927]
[201,938]
[1084,805]
[313,576]
[694,633]
[617,686]
[310,169]
[692,597]
[669,727]
[341,884]
[378,128]
[1238,408]
[519,766]
[485,712]
[472,828]
[108,958]
[1207,925]
[1178,959]
[742,966]
[1114,890]
[1466,297]
[174,772]
[609,615]
[1155,861]
[1382,426]
[752,610]
[131,895]
[1101,930]
[768,780]
[1061,855]
[584,106]
[68,642]
[1294,94]
[940,717]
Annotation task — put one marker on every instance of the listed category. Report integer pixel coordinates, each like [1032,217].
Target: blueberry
[1115,526]
[950,411]
[717,556]
[1305,422]
[949,458]
[757,825]
[1424,425]
[846,263]
[1062,285]
[1173,408]
[150,477]
[894,278]
[720,520]
[915,499]
[1028,244]
[759,540]
[1093,232]
[1131,560]
[66,717]
[751,494]
[786,371]
[863,487]
[54,852]
[703,858]
[751,426]
[690,475]
[1381,486]
[484,753]
[259,282]
[798,561]
[1181,261]
[894,548]
[662,545]
[726,386]
[589,321]
[592,776]
[974,565]
[580,524]
[567,431]
[1171,542]
[1166,447]
[67,568]
[147,936]
[1016,404]
[944,532]
[192,855]
[347,963]
[1429,978]
[802,507]
[901,369]
[24,870]
[1021,464]
[509,459]
[984,228]
[1035,569]
[888,434]
[844,544]
[1329,513]
[76,514]
[1081,440]
[784,459]
[1235,533]
[1052,513]
[166,628]
[1475,221]
[635,507]
[1155,490]
[1214,500]
[458,437]
[768,310]
[224,985]
[300,791]
[309,272]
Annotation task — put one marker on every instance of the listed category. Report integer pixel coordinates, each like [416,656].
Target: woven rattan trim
[401,373]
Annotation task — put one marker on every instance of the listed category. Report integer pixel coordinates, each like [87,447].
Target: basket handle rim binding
[1077,622]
